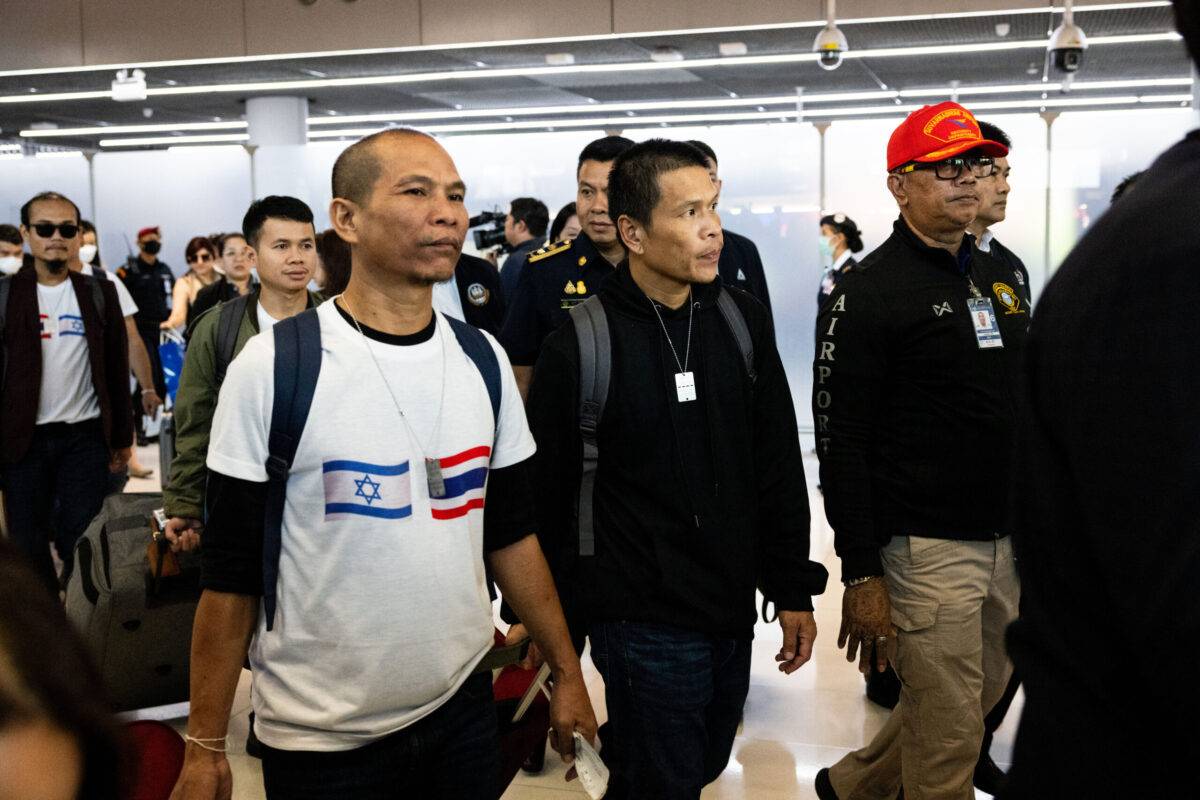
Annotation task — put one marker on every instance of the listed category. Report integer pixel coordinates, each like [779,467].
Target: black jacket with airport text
[696,503]
[915,421]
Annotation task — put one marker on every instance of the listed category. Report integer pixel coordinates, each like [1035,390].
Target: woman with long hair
[201,258]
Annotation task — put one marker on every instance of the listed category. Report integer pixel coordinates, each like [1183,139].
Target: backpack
[6,289]
[595,369]
[297,367]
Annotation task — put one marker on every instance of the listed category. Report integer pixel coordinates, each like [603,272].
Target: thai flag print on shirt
[464,474]
[368,490]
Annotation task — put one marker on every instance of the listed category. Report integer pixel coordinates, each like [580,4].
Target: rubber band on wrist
[203,743]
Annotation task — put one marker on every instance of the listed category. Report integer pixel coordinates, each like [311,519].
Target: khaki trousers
[951,603]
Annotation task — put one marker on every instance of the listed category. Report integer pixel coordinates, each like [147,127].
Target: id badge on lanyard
[983,318]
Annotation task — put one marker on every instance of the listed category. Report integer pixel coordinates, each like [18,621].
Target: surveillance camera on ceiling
[830,46]
[1067,44]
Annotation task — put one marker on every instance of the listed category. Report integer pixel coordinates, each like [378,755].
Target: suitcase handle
[83,555]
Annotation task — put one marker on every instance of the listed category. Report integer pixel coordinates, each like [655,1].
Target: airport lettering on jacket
[824,370]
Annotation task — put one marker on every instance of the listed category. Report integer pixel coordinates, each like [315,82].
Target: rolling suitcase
[137,624]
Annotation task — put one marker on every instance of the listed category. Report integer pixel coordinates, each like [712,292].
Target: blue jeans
[674,700]
[55,490]
[452,754]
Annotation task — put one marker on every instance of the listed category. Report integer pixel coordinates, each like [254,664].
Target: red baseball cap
[147,231]
[933,133]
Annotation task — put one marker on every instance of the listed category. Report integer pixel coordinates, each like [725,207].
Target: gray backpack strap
[741,333]
[595,368]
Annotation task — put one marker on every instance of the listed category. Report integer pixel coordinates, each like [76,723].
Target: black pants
[150,338]
[452,754]
[58,487]
[674,700]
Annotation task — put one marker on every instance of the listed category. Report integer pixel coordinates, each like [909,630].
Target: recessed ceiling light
[732,49]
[559,59]
[665,53]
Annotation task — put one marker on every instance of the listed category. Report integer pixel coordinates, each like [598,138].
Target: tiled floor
[794,725]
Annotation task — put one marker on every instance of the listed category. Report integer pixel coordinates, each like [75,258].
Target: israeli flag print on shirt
[368,490]
[464,474]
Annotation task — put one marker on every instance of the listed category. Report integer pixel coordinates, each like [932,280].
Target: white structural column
[278,128]
[1196,93]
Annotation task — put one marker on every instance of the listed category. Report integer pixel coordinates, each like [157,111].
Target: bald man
[376,615]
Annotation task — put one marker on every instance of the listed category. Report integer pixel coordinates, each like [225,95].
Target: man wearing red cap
[151,283]
[915,403]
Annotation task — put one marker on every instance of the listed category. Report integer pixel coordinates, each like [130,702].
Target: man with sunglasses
[915,402]
[64,406]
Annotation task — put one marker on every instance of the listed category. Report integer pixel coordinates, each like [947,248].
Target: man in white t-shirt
[366,683]
[65,419]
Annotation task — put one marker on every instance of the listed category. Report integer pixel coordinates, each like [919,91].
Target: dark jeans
[674,700]
[58,487]
[453,754]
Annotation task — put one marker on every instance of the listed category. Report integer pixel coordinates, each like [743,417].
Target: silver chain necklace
[685,381]
[433,467]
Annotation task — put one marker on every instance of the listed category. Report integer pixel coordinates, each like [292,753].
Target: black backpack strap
[297,367]
[477,348]
[229,322]
[741,333]
[5,290]
[595,369]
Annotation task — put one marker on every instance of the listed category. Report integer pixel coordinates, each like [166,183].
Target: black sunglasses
[69,230]
[203,255]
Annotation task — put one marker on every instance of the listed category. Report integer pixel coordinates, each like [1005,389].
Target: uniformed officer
[151,283]
[564,274]
[740,263]
[993,208]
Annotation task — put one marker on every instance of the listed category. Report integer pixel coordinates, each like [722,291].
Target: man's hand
[120,458]
[150,401]
[183,533]
[205,776]
[533,657]
[799,633]
[867,624]
[570,711]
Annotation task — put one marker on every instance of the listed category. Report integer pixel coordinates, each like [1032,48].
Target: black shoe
[536,761]
[988,777]
[824,787]
[883,688]
[254,748]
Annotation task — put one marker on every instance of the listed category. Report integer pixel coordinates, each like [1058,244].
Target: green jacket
[195,405]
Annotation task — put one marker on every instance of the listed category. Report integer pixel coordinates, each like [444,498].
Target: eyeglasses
[199,257]
[69,230]
[951,169]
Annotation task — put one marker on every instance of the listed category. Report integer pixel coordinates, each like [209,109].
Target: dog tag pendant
[433,475]
[685,386]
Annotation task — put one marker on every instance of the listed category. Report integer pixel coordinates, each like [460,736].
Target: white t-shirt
[66,393]
[265,320]
[128,306]
[447,300]
[382,606]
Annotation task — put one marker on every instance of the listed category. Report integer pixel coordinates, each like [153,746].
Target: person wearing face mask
[201,257]
[840,238]
[65,419]
[151,283]
[12,249]
[236,280]
[139,358]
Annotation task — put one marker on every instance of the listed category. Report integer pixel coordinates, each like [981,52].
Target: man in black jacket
[1109,534]
[993,208]
[915,401]
[699,493]
[740,266]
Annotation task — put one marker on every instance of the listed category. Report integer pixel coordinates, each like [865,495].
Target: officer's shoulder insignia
[549,250]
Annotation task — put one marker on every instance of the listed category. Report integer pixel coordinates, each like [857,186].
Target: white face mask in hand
[9,265]
[87,252]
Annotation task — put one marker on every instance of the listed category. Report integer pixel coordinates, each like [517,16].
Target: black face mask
[152,247]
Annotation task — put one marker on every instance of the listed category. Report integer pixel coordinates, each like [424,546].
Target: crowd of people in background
[1001,487]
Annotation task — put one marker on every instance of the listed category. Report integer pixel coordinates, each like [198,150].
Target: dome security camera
[830,46]
[1067,43]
